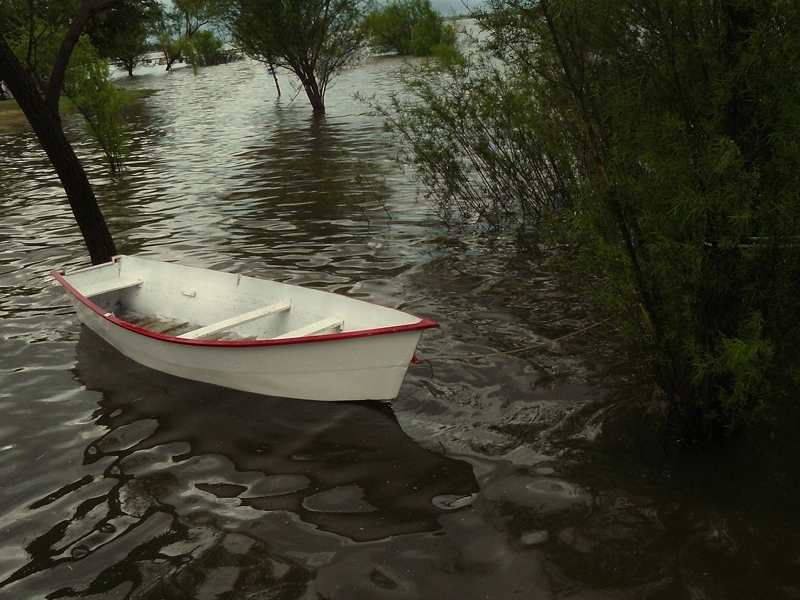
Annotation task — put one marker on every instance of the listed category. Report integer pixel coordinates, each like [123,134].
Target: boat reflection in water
[197,490]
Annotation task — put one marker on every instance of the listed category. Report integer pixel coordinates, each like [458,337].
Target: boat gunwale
[329,337]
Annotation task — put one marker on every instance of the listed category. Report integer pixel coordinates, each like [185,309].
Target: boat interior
[220,330]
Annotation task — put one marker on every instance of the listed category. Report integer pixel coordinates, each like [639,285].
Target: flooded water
[527,475]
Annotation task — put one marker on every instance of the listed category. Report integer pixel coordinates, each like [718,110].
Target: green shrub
[88,88]
[408,27]
[654,146]
[203,49]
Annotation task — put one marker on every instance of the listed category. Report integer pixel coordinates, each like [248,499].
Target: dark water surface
[529,475]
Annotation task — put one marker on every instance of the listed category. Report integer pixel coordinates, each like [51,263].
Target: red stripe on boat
[329,337]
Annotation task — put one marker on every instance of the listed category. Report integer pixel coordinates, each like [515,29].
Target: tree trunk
[46,124]
[274,72]
[313,93]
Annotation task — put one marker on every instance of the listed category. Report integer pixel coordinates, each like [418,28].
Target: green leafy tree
[122,33]
[408,27]
[664,134]
[183,32]
[204,49]
[314,39]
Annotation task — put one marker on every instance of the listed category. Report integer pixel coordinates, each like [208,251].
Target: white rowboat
[246,333]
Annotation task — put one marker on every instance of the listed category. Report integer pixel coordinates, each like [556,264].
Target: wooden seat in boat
[259,313]
[312,328]
[110,285]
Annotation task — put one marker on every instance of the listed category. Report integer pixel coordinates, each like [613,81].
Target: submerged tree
[37,82]
[121,34]
[654,144]
[314,39]
[184,31]
[408,27]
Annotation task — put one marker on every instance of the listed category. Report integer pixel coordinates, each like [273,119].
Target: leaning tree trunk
[46,125]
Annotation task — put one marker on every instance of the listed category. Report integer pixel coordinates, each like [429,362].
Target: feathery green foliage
[88,88]
[655,143]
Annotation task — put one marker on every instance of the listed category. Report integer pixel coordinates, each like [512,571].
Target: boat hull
[342,367]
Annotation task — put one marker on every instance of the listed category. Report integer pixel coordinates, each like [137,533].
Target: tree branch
[85,13]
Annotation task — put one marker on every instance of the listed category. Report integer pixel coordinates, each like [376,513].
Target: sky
[447,7]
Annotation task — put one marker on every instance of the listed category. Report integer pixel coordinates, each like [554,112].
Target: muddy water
[526,475]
